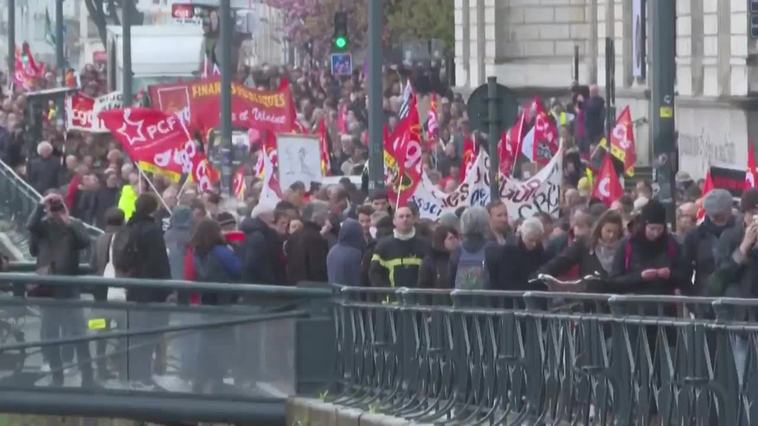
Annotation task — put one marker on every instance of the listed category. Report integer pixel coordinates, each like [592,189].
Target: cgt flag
[508,148]
[622,141]
[608,187]
[751,176]
[160,143]
[402,157]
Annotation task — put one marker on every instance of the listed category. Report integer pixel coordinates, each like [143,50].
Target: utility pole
[226,25]
[60,60]
[493,135]
[662,123]
[375,111]
[11,39]
[126,36]
[610,87]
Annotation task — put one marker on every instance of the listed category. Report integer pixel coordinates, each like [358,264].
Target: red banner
[160,142]
[79,112]
[199,103]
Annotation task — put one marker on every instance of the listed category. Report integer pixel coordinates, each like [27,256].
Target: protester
[214,262]
[511,266]
[435,268]
[307,249]
[178,237]
[382,228]
[343,258]
[44,171]
[467,269]
[700,245]
[397,259]
[56,242]
[499,225]
[650,260]
[263,258]
[592,254]
[738,256]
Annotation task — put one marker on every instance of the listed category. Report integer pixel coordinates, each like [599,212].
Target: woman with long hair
[592,255]
[214,262]
[435,268]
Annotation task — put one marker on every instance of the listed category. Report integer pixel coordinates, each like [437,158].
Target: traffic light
[339,40]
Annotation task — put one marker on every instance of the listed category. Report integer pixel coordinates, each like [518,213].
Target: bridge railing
[245,345]
[470,357]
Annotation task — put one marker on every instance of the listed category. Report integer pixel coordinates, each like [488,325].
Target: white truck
[160,54]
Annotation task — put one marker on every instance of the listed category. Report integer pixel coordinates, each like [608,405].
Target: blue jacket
[220,265]
[344,259]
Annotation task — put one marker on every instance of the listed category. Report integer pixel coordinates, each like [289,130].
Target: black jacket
[153,258]
[44,173]
[106,198]
[511,266]
[578,255]
[735,276]
[636,254]
[262,257]
[56,246]
[700,252]
[435,270]
[306,255]
[396,263]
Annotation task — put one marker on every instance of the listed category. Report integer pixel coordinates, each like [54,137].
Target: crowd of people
[342,234]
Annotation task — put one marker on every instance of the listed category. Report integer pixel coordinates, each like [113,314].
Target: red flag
[239,186]
[402,157]
[342,119]
[469,155]
[323,139]
[708,186]
[545,138]
[284,86]
[751,178]
[608,187]
[160,142]
[508,148]
[622,141]
[432,125]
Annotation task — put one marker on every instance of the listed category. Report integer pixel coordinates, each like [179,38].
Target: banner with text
[524,199]
[198,101]
[82,111]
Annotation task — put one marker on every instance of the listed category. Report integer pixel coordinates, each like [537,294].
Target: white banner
[82,112]
[524,199]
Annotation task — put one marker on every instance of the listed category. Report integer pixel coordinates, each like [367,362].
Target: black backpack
[125,252]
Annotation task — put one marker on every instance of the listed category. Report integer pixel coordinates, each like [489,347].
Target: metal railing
[232,362]
[17,202]
[486,357]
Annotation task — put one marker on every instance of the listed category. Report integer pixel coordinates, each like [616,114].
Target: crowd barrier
[490,357]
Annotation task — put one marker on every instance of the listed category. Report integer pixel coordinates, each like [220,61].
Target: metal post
[126,43]
[226,25]
[11,39]
[493,136]
[375,111]
[662,122]
[592,52]
[610,86]
[576,63]
[60,60]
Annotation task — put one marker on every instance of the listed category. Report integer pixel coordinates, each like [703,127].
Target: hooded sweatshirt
[344,259]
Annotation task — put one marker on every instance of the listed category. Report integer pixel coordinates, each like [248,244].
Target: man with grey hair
[699,249]
[307,249]
[44,171]
[511,266]
[467,269]
[262,256]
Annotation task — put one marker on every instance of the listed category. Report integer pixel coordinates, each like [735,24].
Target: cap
[682,177]
[718,201]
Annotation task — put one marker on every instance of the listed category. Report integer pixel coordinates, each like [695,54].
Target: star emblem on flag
[132,130]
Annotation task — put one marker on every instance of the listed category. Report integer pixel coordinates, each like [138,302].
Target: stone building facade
[529,45]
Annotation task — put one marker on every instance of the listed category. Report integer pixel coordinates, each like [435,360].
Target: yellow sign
[667,112]
[97,324]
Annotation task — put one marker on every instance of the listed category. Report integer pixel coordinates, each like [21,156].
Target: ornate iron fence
[470,357]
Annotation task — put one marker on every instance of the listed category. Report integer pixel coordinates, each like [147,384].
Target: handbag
[114,293]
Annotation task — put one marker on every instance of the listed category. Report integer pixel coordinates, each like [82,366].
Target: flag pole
[152,186]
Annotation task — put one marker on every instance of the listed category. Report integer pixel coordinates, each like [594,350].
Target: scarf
[605,255]
[405,237]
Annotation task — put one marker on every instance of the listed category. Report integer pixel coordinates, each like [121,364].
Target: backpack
[471,273]
[125,253]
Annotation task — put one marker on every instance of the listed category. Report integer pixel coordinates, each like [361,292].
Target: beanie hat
[718,201]
[653,213]
[749,200]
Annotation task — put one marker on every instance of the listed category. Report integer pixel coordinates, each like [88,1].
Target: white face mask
[372,232]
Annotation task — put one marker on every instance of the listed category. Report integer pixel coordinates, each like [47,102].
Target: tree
[421,19]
